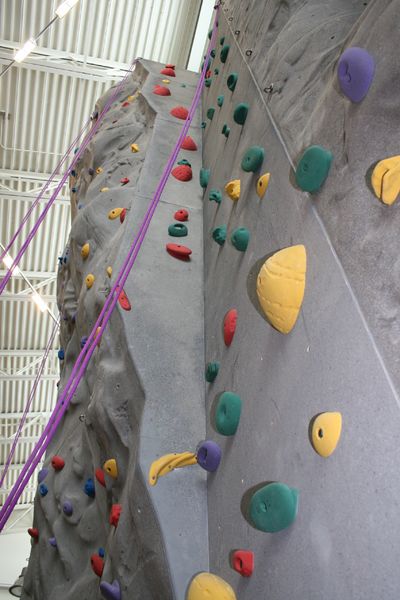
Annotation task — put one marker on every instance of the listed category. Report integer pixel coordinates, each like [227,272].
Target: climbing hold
[68,509]
[385,179]
[232,188]
[73,173]
[184,161]
[74,190]
[210,113]
[220,101]
[209,34]
[61,354]
[43,489]
[280,287]
[170,66]
[91,171]
[89,280]
[178,251]
[206,586]
[168,463]
[215,195]
[208,455]
[216,71]
[325,433]
[115,514]
[84,339]
[222,40]
[208,82]
[230,322]
[227,131]
[313,168]
[76,150]
[110,466]
[168,71]
[180,112]
[212,369]
[243,562]
[240,238]
[189,144]
[53,542]
[253,159]
[109,271]
[274,507]
[203,125]
[262,184]
[111,591]
[57,463]
[122,215]
[227,413]
[101,552]
[204,177]
[42,475]
[34,533]
[124,180]
[85,251]
[219,235]
[355,71]
[89,488]
[178,230]
[182,173]
[99,474]
[123,299]
[126,103]
[165,81]
[114,213]
[224,53]
[161,90]
[97,564]
[181,215]
[232,81]
[240,113]
[99,170]
[104,189]
[135,148]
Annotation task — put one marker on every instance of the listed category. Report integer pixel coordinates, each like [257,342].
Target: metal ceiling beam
[31,439]
[23,298]
[28,175]
[31,275]
[44,377]
[31,414]
[23,353]
[23,196]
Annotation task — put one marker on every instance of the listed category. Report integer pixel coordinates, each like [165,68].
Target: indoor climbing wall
[301,311]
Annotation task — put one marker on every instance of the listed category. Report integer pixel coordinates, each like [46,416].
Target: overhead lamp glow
[8,261]
[65,7]
[25,50]
[38,300]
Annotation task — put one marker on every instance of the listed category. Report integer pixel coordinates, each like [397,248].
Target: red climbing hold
[168,71]
[124,180]
[181,215]
[230,321]
[243,562]
[123,299]
[57,463]
[97,564]
[180,112]
[208,74]
[115,514]
[122,215]
[99,473]
[125,103]
[178,251]
[161,90]
[189,144]
[169,66]
[182,172]
[34,533]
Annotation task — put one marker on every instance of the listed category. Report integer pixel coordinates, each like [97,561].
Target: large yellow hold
[385,179]
[206,586]
[232,188]
[280,287]
[326,431]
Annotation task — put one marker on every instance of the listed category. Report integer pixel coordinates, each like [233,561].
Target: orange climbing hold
[161,90]
[99,474]
[168,71]
[189,144]
[115,514]
[180,112]
[182,172]
[97,564]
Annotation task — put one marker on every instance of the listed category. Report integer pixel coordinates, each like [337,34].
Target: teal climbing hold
[204,177]
[227,132]
[210,113]
[215,196]
[253,159]
[240,238]
[222,40]
[227,413]
[183,84]
[240,113]
[232,81]
[213,52]
[224,53]
[184,162]
[224,128]
[203,124]
[208,82]
[274,507]
[313,168]
[216,71]
[219,234]
[210,34]
[212,369]
[220,100]
[178,230]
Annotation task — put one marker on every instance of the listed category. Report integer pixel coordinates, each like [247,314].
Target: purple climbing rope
[105,314]
[81,149]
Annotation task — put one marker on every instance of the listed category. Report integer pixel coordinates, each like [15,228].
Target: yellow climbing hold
[280,287]
[110,467]
[325,433]
[109,271]
[99,170]
[206,586]
[89,280]
[85,250]
[97,333]
[262,184]
[166,81]
[385,179]
[233,189]
[130,98]
[114,213]
[167,463]
[104,189]
[135,148]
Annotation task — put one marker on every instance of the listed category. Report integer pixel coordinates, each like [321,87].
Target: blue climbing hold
[89,488]
[68,509]
[84,339]
[43,489]
[61,354]
[111,591]
[53,542]
[101,552]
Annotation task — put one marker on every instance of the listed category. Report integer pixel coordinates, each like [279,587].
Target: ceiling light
[38,300]
[65,7]
[8,261]
[25,50]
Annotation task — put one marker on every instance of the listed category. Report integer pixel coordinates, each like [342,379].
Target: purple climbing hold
[209,455]
[91,171]
[53,542]
[42,475]
[356,69]
[68,509]
[84,339]
[111,591]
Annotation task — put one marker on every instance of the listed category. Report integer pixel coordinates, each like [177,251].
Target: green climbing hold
[184,162]
[212,369]
[222,40]
[313,168]
[183,84]
[204,177]
[220,101]
[227,132]
[253,159]
[212,53]
[216,71]
[219,235]
[210,113]
[203,124]
[240,238]
[178,230]
[227,413]
[232,81]
[274,507]
[240,113]
[215,195]
[210,34]
[224,128]
[224,53]
[208,81]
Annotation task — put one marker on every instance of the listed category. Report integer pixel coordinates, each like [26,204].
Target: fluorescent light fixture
[38,300]
[25,50]
[65,7]
[8,261]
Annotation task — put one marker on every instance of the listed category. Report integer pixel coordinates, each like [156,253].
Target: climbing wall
[331,529]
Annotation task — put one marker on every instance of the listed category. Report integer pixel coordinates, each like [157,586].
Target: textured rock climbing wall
[143,392]
[341,354]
